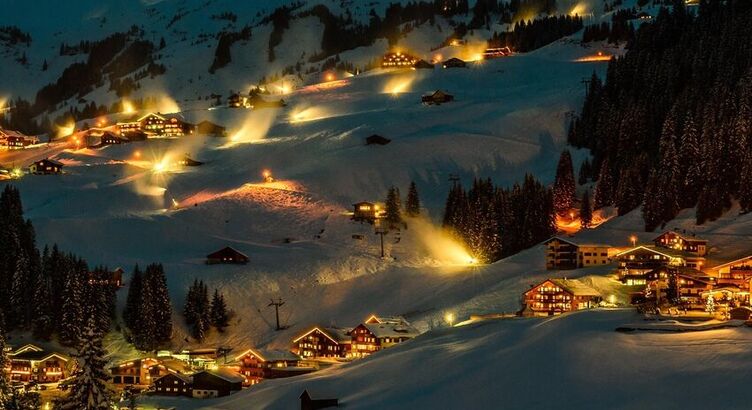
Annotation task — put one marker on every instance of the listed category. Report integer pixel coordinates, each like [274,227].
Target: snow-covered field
[509,118]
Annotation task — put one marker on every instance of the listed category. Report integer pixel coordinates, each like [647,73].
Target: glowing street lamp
[633,239]
[449,318]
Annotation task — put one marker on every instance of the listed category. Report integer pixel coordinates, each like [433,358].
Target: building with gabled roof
[256,365]
[454,62]
[216,383]
[635,263]
[437,97]
[31,363]
[174,384]
[562,254]
[46,167]
[227,255]
[322,342]
[555,296]
[682,242]
[368,338]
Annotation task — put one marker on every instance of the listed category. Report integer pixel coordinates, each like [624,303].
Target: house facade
[397,60]
[367,212]
[437,97]
[227,255]
[174,384]
[563,254]
[216,383]
[156,124]
[676,241]
[557,296]
[46,167]
[257,365]
[135,372]
[32,363]
[322,342]
[369,337]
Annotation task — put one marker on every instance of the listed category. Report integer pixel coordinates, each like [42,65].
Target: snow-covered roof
[575,287]
[273,355]
[578,244]
[335,334]
[185,378]
[671,253]
[683,236]
[226,374]
[381,330]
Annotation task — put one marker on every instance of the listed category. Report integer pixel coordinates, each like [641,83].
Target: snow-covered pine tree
[585,171]
[190,308]
[159,303]
[42,324]
[564,184]
[69,327]
[393,211]
[219,317]
[586,212]
[89,390]
[691,165]
[710,304]
[4,385]
[412,203]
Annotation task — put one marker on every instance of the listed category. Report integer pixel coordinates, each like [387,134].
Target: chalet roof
[575,287]
[226,375]
[454,60]
[317,394]
[668,252]
[381,330]
[184,377]
[38,355]
[270,355]
[571,242]
[386,319]
[423,64]
[747,258]
[335,334]
[377,139]
[27,347]
[683,236]
[226,252]
[51,161]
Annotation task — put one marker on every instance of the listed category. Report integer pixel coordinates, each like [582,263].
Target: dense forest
[497,222]
[670,126]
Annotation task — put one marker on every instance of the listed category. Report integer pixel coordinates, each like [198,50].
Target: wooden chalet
[436,98]
[31,363]
[562,254]
[187,161]
[113,278]
[368,338]
[322,342]
[454,62]
[20,142]
[156,124]
[683,243]
[367,212]
[691,283]
[635,262]
[227,255]
[496,52]
[135,372]
[397,60]
[423,65]
[174,384]
[314,400]
[256,365]
[46,167]
[216,383]
[556,296]
[210,128]
[377,140]
[736,272]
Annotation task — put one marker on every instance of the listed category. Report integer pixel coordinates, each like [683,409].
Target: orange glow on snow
[440,245]
[597,57]
[571,223]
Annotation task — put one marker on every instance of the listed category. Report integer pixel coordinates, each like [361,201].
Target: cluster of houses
[15,139]
[374,334]
[30,363]
[206,373]
[404,60]
[673,266]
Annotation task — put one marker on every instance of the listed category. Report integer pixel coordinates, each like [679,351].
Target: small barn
[423,65]
[365,212]
[216,383]
[438,97]
[174,384]
[210,128]
[310,400]
[454,62]
[227,255]
[377,140]
[46,167]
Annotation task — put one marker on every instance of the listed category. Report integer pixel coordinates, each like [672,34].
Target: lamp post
[633,239]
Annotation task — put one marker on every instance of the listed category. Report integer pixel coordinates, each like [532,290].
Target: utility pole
[586,81]
[381,232]
[276,305]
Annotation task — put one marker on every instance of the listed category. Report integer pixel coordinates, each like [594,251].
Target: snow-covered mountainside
[509,118]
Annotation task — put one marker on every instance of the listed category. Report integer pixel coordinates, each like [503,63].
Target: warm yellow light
[633,239]
[159,167]
[449,318]
[266,173]
[137,154]
[128,107]
[329,77]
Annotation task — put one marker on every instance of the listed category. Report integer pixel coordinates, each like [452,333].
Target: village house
[31,363]
[156,124]
[227,255]
[436,98]
[310,400]
[135,372]
[690,284]
[454,62]
[635,262]
[377,140]
[46,167]
[397,60]
[556,296]
[187,161]
[563,254]
[379,333]
[683,243]
[20,142]
[496,52]
[210,128]
[256,365]
[737,272]
[423,65]
[367,212]
[216,383]
[174,384]
[322,342]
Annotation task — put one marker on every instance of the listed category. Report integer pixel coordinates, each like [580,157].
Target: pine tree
[393,211]
[219,318]
[69,327]
[132,310]
[604,189]
[42,325]
[710,304]
[586,212]
[4,385]
[745,183]
[160,303]
[89,390]
[412,204]
[564,185]
[585,171]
